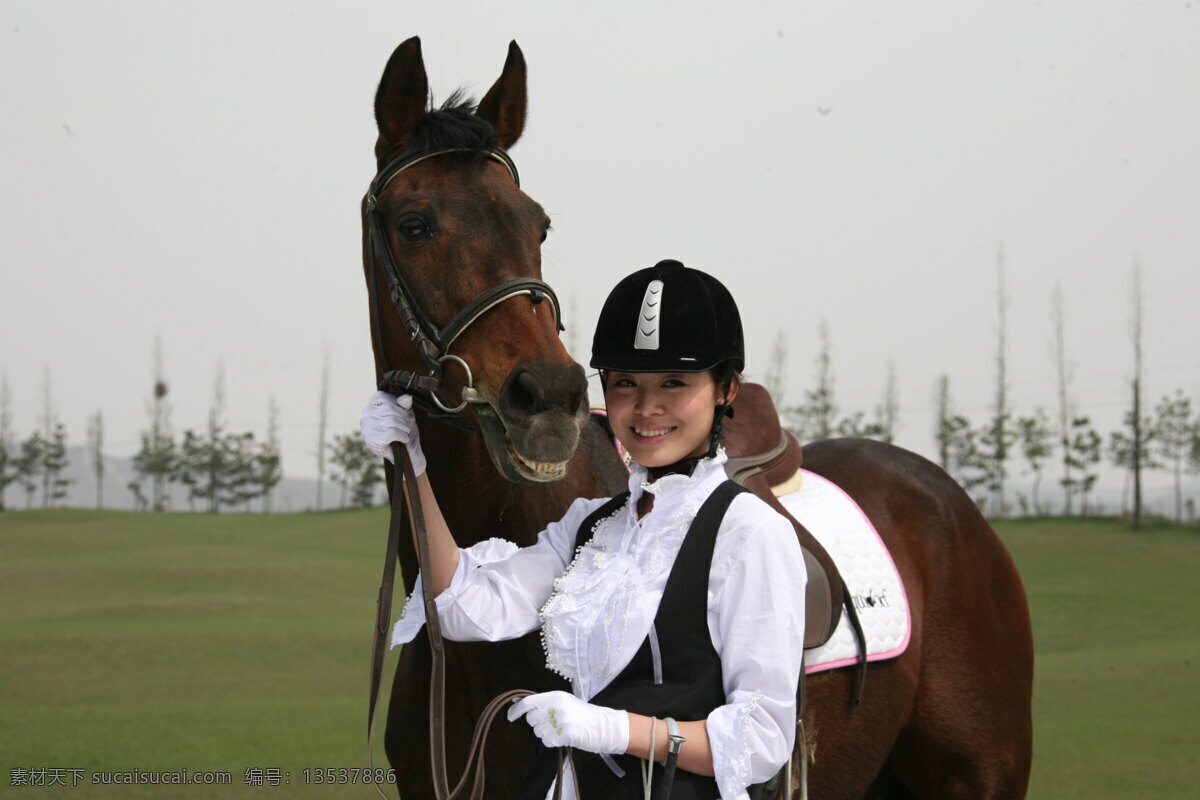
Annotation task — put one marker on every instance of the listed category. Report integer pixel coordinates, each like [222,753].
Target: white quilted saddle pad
[875,586]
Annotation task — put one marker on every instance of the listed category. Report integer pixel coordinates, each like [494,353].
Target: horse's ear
[402,97]
[504,104]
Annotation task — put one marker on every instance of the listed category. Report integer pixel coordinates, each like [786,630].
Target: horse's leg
[849,746]
[407,731]
[954,709]
[970,735]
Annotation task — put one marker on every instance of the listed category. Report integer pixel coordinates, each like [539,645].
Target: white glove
[386,419]
[561,719]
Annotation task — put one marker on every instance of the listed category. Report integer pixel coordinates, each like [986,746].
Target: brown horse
[950,718]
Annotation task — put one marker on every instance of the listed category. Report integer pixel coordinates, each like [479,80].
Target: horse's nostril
[524,393]
[532,389]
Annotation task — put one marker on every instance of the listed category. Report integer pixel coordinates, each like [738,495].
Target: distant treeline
[218,469]
[222,469]
[979,455]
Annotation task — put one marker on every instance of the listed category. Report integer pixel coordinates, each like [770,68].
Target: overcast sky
[193,171]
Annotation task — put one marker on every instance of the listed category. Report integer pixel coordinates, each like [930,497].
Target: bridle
[433,343]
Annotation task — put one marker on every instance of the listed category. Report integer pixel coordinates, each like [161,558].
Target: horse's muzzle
[543,408]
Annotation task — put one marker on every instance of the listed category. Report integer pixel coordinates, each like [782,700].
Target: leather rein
[433,344]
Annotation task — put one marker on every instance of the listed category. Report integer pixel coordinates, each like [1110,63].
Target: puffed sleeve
[492,600]
[756,618]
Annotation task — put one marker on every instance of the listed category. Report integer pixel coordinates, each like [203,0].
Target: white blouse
[595,608]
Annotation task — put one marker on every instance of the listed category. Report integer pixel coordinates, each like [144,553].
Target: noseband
[433,343]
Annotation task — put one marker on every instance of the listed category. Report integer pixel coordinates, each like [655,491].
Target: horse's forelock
[453,125]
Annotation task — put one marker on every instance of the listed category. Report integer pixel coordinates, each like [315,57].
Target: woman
[676,608]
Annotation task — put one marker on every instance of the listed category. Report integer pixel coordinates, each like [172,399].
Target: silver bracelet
[675,739]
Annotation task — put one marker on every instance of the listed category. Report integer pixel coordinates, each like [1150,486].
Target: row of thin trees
[215,467]
[219,468]
[980,456]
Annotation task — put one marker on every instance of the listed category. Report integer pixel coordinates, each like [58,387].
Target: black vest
[689,665]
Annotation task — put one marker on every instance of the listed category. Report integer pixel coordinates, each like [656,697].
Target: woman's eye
[414,228]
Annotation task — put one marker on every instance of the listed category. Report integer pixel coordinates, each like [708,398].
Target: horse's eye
[546,230]
[414,228]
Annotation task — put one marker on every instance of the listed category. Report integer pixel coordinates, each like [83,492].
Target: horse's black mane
[454,125]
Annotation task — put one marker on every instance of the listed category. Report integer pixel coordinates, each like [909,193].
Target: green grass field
[172,642]
[1116,619]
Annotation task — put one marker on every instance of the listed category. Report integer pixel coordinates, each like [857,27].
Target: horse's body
[950,718]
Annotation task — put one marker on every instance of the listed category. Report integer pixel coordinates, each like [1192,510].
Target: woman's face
[662,417]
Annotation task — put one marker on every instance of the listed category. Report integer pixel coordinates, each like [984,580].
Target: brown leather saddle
[763,456]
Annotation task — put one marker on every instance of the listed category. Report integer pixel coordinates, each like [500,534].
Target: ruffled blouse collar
[677,485]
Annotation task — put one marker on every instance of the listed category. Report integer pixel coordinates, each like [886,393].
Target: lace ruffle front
[599,611]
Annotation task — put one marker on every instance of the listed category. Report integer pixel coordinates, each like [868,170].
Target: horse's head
[450,237]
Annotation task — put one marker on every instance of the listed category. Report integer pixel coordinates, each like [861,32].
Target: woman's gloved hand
[561,719]
[386,419]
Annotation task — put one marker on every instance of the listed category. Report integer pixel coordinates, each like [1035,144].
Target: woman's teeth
[652,432]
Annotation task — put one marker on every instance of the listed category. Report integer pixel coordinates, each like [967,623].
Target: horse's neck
[480,504]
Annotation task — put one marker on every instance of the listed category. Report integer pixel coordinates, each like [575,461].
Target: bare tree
[95,443]
[356,469]
[1135,417]
[888,410]
[775,378]
[8,444]
[218,463]
[322,421]
[162,441]
[241,484]
[999,436]
[1174,431]
[957,442]
[1193,465]
[1123,452]
[1085,445]
[1064,371]
[54,463]
[47,419]
[942,428]
[268,461]
[28,465]
[1036,435]
[211,465]
[158,457]
[51,449]
[968,462]
[816,417]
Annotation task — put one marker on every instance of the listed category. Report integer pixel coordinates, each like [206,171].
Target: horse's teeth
[541,467]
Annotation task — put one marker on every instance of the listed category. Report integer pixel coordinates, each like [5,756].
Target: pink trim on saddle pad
[867,567]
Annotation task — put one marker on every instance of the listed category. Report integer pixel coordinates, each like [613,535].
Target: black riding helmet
[669,318]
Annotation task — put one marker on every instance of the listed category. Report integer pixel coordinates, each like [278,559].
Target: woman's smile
[662,417]
[652,433]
